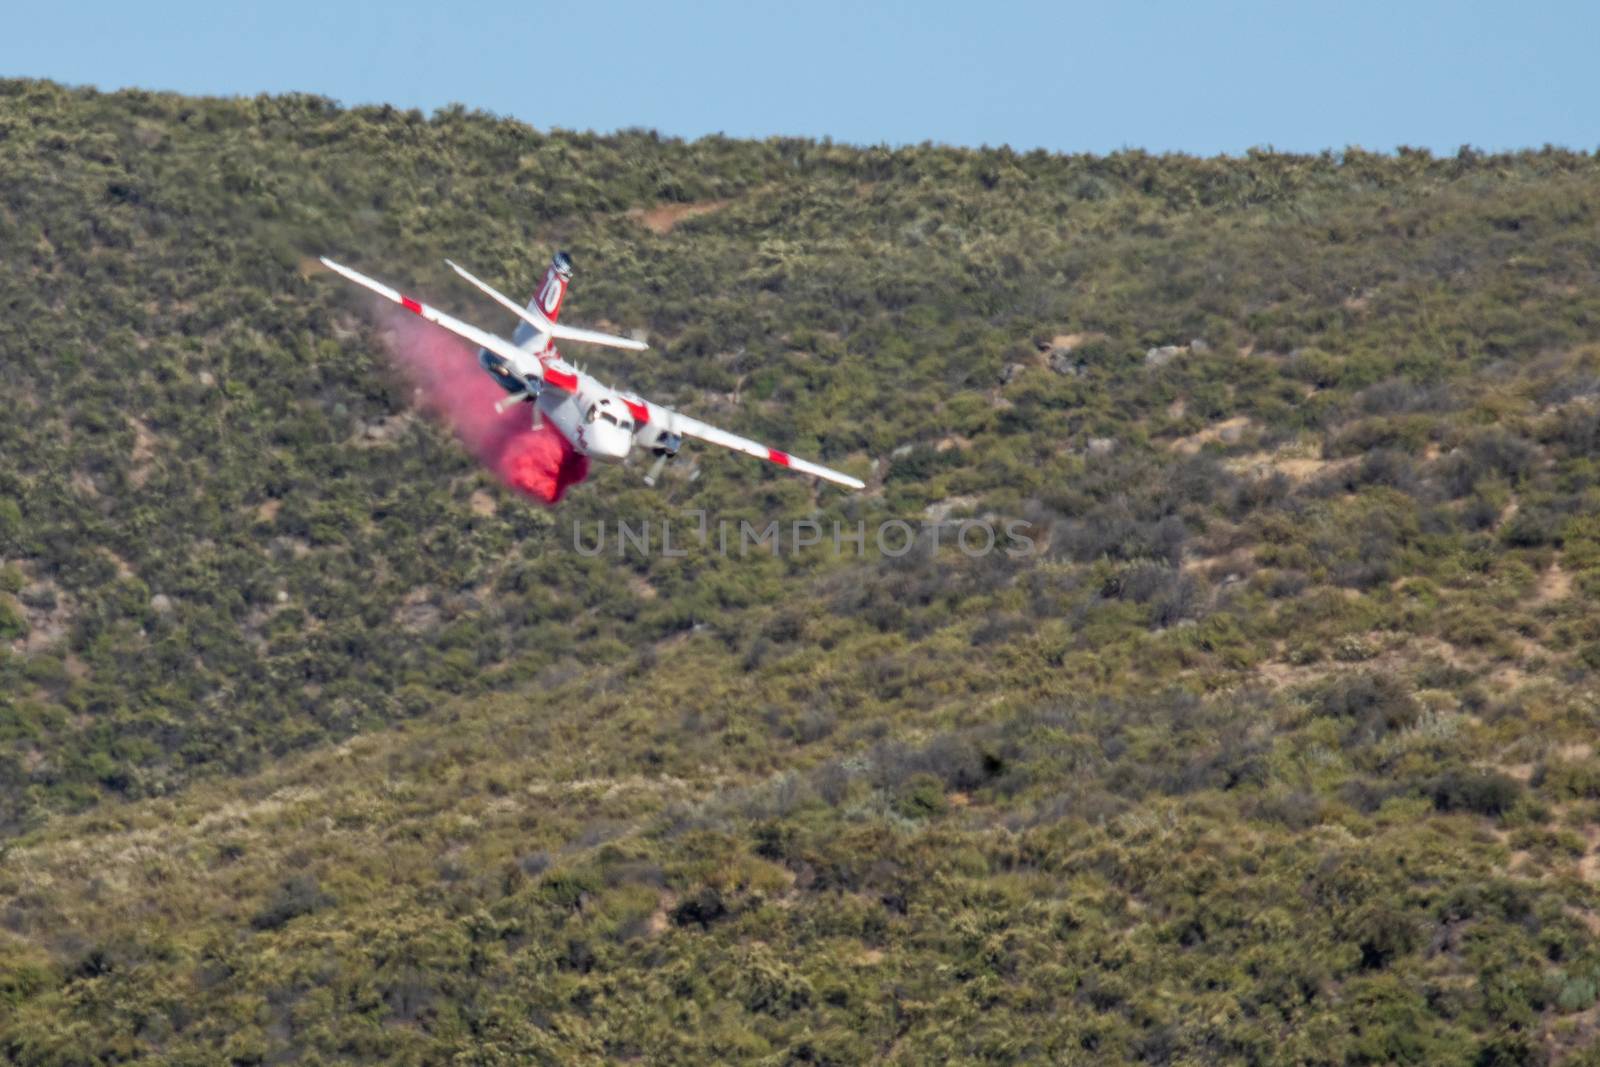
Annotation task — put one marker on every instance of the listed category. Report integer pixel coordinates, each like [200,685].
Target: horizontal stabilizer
[533,317]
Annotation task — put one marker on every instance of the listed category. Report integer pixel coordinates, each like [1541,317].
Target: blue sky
[1199,77]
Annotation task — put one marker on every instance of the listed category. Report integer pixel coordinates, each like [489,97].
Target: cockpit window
[598,411]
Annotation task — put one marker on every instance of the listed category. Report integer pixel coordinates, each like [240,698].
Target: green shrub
[921,797]
[1480,792]
[297,896]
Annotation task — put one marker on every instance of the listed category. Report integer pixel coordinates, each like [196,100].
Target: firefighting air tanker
[595,419]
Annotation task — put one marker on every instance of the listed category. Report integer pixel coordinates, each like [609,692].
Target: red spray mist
[539,463]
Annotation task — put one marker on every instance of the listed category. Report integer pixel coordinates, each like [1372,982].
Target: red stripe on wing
[410,304]
[780,458]
[640,412]
[561,379]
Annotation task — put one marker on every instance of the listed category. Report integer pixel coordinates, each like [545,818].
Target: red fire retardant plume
[539,463]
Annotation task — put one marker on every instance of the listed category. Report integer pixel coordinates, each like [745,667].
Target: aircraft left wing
[675,422]
[482,338]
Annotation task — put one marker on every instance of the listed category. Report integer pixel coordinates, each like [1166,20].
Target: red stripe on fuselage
[410,304]
[780,458]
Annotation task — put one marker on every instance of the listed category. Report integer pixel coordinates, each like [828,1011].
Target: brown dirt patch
[661,220]
[941,510]
[143,455]
[124,568]
[1509,679]
[658,922]
[1554,584]
[1237,563]
[1389,658]
[417,613]
[48,610]
[1069,341]
[1584,915]
[1279,675]
[1294,467]
[385,430]
[1226,432]
[1306,468]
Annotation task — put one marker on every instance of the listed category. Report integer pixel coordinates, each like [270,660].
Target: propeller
[505,403]
[527,394]
[655,469]
[666,444]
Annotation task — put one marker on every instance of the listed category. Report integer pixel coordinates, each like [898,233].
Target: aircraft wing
[519,359]
[674,422]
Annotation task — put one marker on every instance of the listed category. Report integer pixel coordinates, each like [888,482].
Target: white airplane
[597,420]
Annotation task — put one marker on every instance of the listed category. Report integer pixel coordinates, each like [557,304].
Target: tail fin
[547,301]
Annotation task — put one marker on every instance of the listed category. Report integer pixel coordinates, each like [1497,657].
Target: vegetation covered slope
[317,745]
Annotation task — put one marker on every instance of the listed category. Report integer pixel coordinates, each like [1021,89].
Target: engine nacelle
[665,444]
[500,370]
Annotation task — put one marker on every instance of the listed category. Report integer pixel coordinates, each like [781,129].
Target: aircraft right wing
[524,363]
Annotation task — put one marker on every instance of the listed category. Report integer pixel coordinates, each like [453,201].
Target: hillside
[317,744]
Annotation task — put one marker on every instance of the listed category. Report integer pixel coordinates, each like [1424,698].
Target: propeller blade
[531,388]
[655,470]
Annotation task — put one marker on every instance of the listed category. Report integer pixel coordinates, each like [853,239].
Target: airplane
[597,420]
